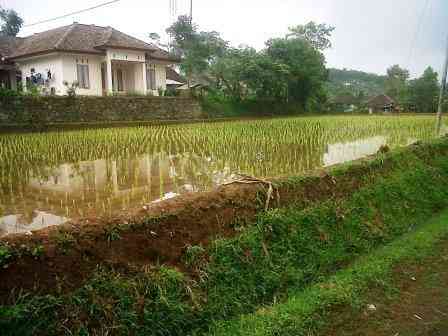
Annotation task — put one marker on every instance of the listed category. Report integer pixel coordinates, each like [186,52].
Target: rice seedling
[100,171]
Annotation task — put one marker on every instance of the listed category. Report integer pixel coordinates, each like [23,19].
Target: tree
[318,35]
[307,71]
[198,50]
[290,69]
[11,22]
[397,84]
[230,71]
[342,81]
[156,39]
[424,91]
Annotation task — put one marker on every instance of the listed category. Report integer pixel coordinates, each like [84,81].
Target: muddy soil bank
[61,258]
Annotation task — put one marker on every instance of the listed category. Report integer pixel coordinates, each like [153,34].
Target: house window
[83,76]
[151,78]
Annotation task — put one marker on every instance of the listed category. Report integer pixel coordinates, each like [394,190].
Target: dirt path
[416,306]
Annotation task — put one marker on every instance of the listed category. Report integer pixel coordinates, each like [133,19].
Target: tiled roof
[82,38]
[8,45]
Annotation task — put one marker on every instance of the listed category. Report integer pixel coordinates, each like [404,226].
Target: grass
[284,253]
[304,312]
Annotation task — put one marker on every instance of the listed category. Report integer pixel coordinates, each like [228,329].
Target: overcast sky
[370,34]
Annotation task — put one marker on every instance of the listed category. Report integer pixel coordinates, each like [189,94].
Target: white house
[102,60]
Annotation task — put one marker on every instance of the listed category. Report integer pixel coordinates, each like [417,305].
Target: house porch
[122,77]
[8,76]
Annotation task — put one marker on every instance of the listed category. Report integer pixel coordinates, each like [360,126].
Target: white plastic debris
[371,307]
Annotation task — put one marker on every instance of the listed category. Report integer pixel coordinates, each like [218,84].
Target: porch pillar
[13,79]
[145,82]
[22,71]
[110,89]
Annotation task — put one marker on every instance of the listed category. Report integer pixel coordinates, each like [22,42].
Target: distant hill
[352,81]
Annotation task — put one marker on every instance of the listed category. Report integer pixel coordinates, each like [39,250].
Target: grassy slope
[304,312]
[272,261]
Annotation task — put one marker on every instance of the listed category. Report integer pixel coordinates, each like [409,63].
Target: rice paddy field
[49,178]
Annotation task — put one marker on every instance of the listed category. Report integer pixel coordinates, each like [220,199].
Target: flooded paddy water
[49,178]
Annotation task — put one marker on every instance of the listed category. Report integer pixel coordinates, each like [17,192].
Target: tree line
[412,95]
[420,94]
[290,69]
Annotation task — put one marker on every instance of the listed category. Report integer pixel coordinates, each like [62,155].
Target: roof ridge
[108,35]
[64,36]
[94,25]
[130,37]
[45,31]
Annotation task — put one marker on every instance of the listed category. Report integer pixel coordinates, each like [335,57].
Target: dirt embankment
[418,305]
[62,258]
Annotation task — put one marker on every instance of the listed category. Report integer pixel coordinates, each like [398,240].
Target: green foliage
[113,233]
[8,93]
[11,22]
[193,254]
[65,240]
[291,248]
[289,69]
[424,92]
[307,72]
[342,82]
[31,315]
[197,49]
[218,105]
[396,83]
[285,251]
[6,255]
[318,35]
[148,304]
[304,312]
[171,92]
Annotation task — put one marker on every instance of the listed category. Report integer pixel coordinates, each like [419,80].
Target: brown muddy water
[47,179]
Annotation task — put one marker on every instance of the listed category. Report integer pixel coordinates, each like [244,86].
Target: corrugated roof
[380,100]
[174,75]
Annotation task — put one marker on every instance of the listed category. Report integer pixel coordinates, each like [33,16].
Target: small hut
[381,103]
[344,103]
[173,79]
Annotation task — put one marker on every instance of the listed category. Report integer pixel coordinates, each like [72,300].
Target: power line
[73,13]
[417,33]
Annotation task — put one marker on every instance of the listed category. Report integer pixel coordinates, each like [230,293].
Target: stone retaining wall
[26,110]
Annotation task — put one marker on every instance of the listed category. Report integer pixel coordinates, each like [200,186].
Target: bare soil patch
[419,309]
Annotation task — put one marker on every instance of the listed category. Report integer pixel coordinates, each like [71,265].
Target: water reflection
[45,196]
[22,224]
[103,187]
[349,151]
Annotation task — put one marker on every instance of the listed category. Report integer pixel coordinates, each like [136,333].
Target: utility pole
[442,93]
[191,11]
